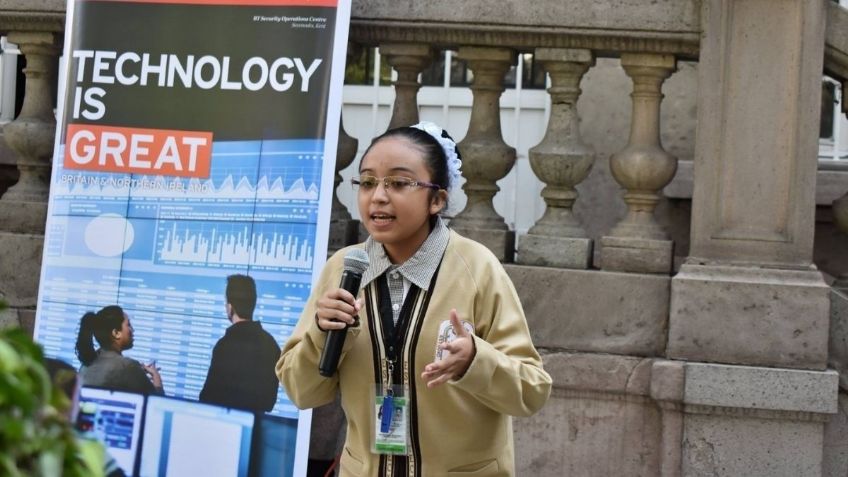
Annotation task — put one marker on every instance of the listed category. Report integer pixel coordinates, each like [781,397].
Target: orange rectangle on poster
[161,152]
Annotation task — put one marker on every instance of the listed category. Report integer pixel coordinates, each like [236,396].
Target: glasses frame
[356,183]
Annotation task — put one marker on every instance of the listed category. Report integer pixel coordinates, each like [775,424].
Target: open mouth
[382,219]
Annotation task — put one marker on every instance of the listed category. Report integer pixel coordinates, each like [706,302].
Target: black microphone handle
[335,338]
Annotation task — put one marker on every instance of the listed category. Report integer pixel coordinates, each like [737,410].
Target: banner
[196,140]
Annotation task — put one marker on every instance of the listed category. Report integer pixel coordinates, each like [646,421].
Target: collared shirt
[418,270]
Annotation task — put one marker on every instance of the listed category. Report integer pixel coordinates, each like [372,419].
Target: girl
[106,367]
[442,357]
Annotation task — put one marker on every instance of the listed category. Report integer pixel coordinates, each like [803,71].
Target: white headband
[454,163]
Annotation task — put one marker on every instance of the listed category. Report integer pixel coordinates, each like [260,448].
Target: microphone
[355,264]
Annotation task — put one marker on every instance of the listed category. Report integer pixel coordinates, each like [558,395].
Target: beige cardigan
[460,428]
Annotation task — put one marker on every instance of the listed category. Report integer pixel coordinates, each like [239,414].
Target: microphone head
[356,261]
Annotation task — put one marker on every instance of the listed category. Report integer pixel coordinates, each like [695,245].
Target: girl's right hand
[337,309]
[153,372]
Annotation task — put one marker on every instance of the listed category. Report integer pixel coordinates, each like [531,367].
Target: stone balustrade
[605,334]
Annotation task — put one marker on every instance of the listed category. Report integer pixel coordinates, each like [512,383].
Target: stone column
[749,293]
[562,160]
[31,134]
[840,218]
[749,303]
[638,243]
[409,60]
[486,158]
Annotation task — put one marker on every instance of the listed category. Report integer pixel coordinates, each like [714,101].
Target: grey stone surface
[588,437]
[662,15]
[830,254]
[547,251]
[722,446]
[830,184]
[749,387]
[23,217]
[500,242]
[836,40]
[752,316]
[838,349]
[636,255]
[597,422]
[34,5]
[599,372]
[20,268]
[598,311]
[26,317]
[8,318]
[835,458]
[668,380]
[343,232]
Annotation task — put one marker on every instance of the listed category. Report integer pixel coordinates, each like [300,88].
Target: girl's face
[124,339]
[398,218]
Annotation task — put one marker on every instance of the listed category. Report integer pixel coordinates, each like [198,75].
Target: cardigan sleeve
[506,373]
[297,367]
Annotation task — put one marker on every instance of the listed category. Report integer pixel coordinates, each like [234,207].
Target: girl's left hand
[454,366]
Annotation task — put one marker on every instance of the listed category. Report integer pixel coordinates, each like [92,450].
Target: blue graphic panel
[283,247]
[181,345]
[162,247]
[83,259]
[228,193]
[83,193]
[57,329]
[289,181]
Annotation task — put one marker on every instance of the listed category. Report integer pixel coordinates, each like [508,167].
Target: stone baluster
[840,217]
[638,243]
[343,229]
[409,60]
[31,134]
[486,157]
[561,161]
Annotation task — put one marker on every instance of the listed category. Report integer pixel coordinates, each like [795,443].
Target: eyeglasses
[390,183]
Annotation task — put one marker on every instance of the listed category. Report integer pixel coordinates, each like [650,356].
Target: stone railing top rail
[32,15]
[606,26]
[668,26]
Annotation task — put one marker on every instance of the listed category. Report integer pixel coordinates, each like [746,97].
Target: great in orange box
[137,150]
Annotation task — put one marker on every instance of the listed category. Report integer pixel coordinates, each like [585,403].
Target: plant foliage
[36,437]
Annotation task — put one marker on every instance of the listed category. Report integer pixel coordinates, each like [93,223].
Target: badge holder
[390,432]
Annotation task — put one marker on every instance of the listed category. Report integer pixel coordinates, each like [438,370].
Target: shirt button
[394,275]
[395,307]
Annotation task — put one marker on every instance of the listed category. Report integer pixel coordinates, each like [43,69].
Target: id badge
[391,420]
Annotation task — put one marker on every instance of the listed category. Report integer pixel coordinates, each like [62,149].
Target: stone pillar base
[500,242]
[560,252]
[636,255]
[771,424]
[754,316]
[342,234]
[23,217]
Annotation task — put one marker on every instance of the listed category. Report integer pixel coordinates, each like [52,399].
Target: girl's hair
[434,155]
[99,326]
